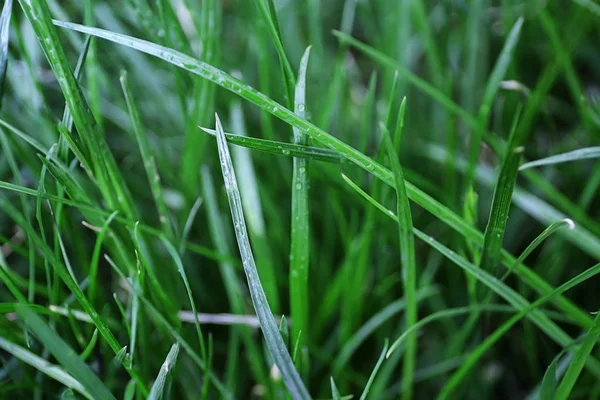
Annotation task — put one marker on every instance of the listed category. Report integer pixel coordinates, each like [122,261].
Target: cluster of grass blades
[377,193]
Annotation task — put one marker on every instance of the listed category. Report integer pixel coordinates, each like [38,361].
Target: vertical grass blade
[568,382]
[4,33]
[267,323]
[300,224]
[407,258]
[156,392]
[64,354]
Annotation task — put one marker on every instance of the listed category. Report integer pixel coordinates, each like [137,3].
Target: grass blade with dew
[510,295]
[4,39]
[453,220]
[585,350]
[281,148]
[575,155]
[105,169]
[53,371]
[147,158]
[491,339]
[156,392]
[270,330]
[407,256]
[64,354]
[253,211]
[493,84]
[300,220]
[373,375]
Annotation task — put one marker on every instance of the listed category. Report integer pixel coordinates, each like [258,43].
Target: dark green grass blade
[575,155]
[300,221]
[407,258]
[4,33]
[270,330]
[64,354]
[427,202]
[583,353]
[281,148]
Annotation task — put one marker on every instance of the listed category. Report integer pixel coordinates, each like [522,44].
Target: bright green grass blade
[42,365]
[575,155]
[175,255]
[548,386]
[427,202]
[147,158]
[64,354]
[300,221]
[373,375]
[110,179]
[476,355]
[88,350]
[501,202]
[92,69]
[507,293]
[493,84]
[187,227]
[407,259]
[156,392]
[251,202]
[335,393]
[272,336]
[93,288]
[583,353]
[4,32]
[269,15]
[281,148]
[372,324]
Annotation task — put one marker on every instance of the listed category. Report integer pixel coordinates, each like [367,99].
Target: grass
[476,122]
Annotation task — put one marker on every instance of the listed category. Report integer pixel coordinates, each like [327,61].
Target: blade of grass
[4,33]
[568,382]
[575,155]
[39,363]
[157,390]
[407,257]
[300,221]
[280,148]
[147,158]
[64,354]
[267,322]
[373,375]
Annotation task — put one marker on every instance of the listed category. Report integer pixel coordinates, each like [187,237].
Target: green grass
[399,186]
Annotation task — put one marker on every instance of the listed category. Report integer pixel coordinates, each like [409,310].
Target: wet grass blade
[64,354]
[407,257]
[581,356]
[300,222]
[575,155]
[156,392]
[4,38]
[281,148]
[270,330]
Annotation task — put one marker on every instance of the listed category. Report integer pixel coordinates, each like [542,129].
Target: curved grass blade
[270,330]
[4,33]
[575,155]
[42,365]
[300,221]
[407,257]
[568,382]
[281,148]
[365,392]
[156,392]
[476,355]
[228,82]
[64,354]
